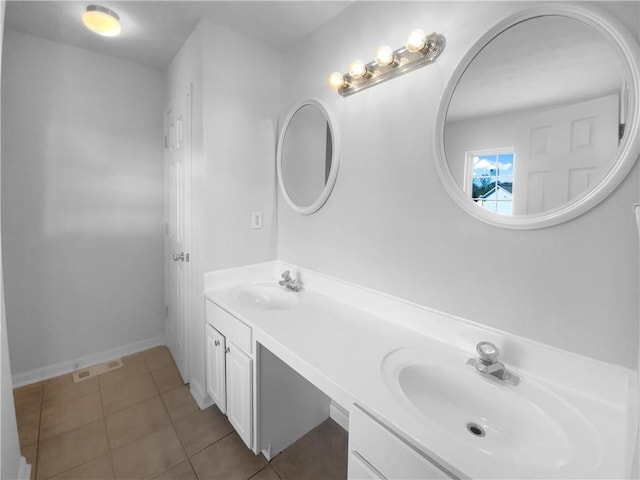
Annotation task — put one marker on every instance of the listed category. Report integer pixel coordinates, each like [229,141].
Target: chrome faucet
[489,365]
[289,282]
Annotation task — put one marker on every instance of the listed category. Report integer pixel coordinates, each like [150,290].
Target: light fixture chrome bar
[404,62]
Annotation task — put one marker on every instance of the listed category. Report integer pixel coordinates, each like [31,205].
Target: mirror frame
[626,45]
[335,157]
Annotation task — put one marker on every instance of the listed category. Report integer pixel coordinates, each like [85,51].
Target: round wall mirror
[539,122]
[308,156]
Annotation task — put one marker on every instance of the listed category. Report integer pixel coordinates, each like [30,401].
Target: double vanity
[418,398]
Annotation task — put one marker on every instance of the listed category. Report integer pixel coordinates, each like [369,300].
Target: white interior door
[178,229]
[563,151]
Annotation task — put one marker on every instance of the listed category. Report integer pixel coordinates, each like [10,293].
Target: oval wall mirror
[539,122]
[308,156]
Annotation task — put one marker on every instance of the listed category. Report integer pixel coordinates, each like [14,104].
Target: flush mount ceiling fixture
[419,50]
[102,21]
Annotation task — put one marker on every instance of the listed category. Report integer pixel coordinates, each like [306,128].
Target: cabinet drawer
[389,454]
[232,328]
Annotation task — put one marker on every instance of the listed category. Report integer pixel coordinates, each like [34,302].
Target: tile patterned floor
[140,422]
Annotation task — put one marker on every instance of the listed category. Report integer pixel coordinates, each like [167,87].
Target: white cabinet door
[215,358]
[239,397]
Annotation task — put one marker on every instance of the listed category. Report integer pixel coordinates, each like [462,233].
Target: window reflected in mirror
[491,179]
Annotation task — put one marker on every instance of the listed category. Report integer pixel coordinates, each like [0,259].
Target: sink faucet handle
[286,275]
[488,352]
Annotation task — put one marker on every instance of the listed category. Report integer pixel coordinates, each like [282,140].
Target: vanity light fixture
[102,21]
[419,50]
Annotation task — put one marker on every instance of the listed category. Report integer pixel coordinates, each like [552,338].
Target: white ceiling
[154,31]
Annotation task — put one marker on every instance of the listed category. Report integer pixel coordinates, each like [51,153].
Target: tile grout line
[106,432]
[35,466]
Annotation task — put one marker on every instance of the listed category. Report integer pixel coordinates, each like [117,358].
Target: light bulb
[384,55]
[102,21]
[336,80]
[357,69]
[417,40]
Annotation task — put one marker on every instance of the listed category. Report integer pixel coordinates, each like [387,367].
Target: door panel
[178,230]
[562,152]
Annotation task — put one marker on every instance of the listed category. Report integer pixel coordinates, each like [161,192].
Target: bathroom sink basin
[525,428]
[265,295]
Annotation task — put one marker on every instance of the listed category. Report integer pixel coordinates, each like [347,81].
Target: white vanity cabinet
[377,452]
[229,369]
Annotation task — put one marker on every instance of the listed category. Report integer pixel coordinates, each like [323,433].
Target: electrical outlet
[256,219]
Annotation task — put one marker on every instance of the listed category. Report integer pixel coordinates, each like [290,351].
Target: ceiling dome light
[102,21]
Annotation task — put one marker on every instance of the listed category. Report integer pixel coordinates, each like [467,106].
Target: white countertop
[338,335]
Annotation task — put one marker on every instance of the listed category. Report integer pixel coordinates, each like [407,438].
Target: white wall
[82,206]
[235,97]
[390,225]
[11,460]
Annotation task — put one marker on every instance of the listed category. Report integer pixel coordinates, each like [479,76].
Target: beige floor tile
[127,393]
[182,471]
[136,421]
[179,402]
[63,417]
[201,428]
[337,436]
[61,453]
[227,459]
[30,453]
[133,366]
[158,357]
[148,456]
[28,427]
[267,473]
[167,378]
[62,389]
[28,399]
[311,458]
[100,468]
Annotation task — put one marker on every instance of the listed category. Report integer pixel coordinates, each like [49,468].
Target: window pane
[484,165]
[482,186]
[505,164]
[504,207]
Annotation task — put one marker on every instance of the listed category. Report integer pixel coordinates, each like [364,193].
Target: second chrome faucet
[289,282]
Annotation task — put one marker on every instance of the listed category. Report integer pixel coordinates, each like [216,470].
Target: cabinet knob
[226,350]
[216,343]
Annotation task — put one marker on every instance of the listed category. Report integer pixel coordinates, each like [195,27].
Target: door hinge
[166,311]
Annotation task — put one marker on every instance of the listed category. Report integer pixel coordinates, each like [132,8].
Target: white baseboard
[200,395]
[24,469]
[50,371]
[339,415]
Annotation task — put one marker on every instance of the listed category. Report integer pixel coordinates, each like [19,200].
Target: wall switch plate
[256,219]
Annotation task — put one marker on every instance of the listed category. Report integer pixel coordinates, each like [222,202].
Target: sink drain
[475,429]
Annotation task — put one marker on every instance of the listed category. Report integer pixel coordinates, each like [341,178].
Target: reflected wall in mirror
[307,160]
[535,126]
